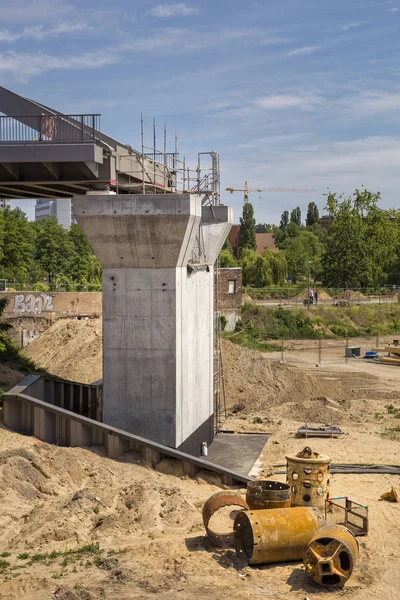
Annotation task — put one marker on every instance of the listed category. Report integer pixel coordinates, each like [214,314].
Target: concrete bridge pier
[157,253]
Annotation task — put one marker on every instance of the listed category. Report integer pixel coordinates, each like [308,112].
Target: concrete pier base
[157,253]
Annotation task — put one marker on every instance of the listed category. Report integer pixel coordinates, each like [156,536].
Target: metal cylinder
[307,474]
[263,494]
[275,535]
[215,503]
[331,555]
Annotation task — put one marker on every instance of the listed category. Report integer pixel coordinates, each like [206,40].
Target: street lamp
[308,297]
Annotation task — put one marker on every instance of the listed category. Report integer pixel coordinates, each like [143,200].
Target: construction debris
[346,512]
[331,431]
[275,535]
[308,475]
[331,555]
[392,496]
[214,504]
[266,494]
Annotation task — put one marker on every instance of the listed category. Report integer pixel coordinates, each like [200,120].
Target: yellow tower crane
[246,190]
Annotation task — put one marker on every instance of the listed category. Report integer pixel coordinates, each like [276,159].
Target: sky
[291,93]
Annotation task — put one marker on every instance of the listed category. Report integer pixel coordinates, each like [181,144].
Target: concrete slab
[236,451]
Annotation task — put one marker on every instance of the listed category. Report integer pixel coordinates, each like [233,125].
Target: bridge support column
[157,253]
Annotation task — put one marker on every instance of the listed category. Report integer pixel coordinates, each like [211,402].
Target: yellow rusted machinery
[264,493]
[275,535]
[331,555]
[307,474]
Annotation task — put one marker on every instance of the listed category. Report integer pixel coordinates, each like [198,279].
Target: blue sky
[292,93]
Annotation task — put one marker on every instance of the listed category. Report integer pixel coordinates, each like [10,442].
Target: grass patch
[261,325]
[23,556]
[5,554]
[392,433]
[96,510]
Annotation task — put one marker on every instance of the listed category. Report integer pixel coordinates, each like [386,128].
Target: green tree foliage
[304,247]
[247,235]
[264,228]
[284,220]
[17,238]
[81,256]
[312,214]
[54,248]
[295,216]
[361,243]
[263,270]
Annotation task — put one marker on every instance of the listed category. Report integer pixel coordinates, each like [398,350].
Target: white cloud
[375,102]
[40,32]
[394,10]
[173,10]
[25,65]
[349,26]
[304,50]
[280,101]
[34,10]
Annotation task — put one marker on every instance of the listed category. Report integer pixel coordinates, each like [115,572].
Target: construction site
[147,456]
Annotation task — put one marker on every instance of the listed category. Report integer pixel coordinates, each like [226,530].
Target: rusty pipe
[275,535]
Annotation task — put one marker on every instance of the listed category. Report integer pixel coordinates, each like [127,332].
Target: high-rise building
[60,208]
[4,202]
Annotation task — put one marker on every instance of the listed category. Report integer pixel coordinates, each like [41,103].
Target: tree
[312,214]
[264,228]
[17,245]
[301,249]
[54,248]
[295,216]
[284,220]
[247,234]
[81,255]
[263,270]
[361,241]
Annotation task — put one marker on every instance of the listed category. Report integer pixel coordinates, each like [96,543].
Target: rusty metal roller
[331,554]
[275,535]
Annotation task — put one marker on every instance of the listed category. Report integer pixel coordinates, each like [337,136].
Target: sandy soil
[70,349]
[148,523]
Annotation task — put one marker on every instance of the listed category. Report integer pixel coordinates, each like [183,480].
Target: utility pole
[308,293]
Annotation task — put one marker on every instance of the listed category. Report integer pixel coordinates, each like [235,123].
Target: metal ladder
[219,384]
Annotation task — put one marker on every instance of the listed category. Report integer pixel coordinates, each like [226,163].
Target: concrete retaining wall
[26,414]
[31,313]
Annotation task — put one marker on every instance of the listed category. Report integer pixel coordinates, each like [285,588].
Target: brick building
[263,240]
[230,295]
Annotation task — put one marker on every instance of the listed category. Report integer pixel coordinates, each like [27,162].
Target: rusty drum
[275,535]
[307,474]
[263,494]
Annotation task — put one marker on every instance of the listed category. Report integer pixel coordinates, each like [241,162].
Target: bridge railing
[49,128]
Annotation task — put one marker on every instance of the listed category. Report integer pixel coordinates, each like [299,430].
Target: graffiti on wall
[34,304]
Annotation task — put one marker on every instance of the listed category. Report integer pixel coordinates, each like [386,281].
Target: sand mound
[321,295]
[9,377]
[256,384]
[70,349]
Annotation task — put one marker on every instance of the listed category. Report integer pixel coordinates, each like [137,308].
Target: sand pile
[9,377]
[322,295]
[256,384]
[70,349]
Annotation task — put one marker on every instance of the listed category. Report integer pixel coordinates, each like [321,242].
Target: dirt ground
[70,349]
[148,524]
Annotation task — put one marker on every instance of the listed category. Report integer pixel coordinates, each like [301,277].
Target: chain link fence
[323,296]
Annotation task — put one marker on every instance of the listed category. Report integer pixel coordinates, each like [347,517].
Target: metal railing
[49,128]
